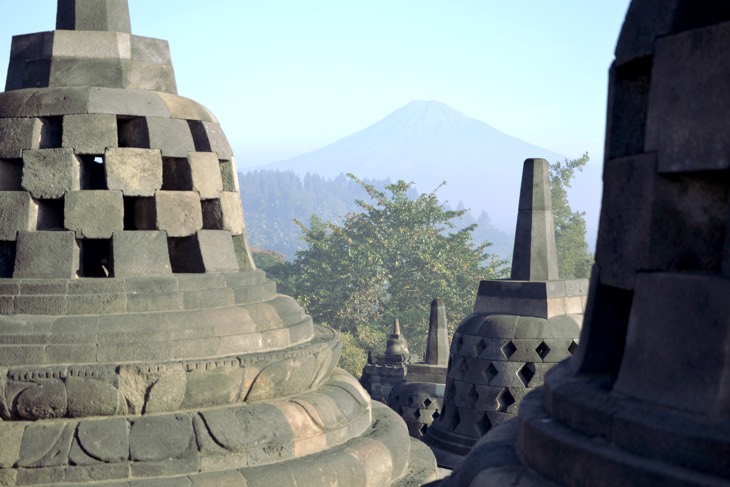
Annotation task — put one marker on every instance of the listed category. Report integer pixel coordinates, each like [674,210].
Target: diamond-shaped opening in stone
[7,258]
[50,214]
[542,350]
[463,367]
[504,400]
[472,395]
[426,403]
[93,174]
[572,347]
[483,424]
[479,347]
[508,349]
[455,419]
[435,414]
[458,344]
[422,430]
[526,373]
[95,256]
[490,372]
[417,413]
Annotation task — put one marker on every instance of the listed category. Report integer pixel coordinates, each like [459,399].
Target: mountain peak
[429,142]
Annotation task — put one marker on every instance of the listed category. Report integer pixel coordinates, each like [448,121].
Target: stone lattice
[520,328]
[139,346]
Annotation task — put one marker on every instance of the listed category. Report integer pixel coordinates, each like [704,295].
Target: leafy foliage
[574,259]
[387,261]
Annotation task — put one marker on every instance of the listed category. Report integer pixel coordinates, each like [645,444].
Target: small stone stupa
[646,399]
[415,390]
[138,344]
[519,329]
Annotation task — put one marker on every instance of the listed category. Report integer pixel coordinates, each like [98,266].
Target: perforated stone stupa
[520,328]
[138,344]
[646,399]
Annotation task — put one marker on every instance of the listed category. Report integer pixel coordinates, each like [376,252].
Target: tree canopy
[574,259]
[387,261]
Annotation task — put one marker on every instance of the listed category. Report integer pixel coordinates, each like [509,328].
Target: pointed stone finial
[535,255]
[99,15]
[397,343]
[437,344]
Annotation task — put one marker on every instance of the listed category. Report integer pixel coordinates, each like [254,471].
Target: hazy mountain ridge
[428,142]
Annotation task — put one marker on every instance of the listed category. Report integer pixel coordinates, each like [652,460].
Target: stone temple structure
[520,328]
[415,390]
[646,399]
[138,344]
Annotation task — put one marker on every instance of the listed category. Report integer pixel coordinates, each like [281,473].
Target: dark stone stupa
[139,346]
[646,398]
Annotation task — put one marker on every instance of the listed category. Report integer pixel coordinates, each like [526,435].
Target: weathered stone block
[49,173]
[659,357]
[94,214]
[91,397]
[91,44]
[230,177]
[17,135]
[140,253]
[139,75]
[18,212]
[205,174]
[216,249]
[149,50]
[122,102]
[46,255]
[134,172]
[243,252]
[43,401]
[75,71]
[89,133]
[171,136]
[684,87]
[177,212]
[93,15]
[154,438]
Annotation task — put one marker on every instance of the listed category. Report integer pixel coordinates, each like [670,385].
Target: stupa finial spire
[535,254]
[99,15]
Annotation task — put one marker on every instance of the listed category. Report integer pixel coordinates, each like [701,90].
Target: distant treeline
[273,200]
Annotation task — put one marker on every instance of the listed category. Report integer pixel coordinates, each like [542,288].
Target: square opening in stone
[176,174]
[50,214]
[212,214]
[7,258]
[133,132]
[11,174]
[51,132]
[130,209]
[228,176]
[185,256]
[93,175]
[95,258]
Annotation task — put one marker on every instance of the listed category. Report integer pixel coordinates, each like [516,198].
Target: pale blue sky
[288,76]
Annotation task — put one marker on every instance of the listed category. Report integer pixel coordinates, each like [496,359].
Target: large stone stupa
[138,344]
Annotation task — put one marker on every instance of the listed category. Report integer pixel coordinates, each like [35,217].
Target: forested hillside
[273,200]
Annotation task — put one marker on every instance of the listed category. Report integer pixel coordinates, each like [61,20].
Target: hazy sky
[288,76]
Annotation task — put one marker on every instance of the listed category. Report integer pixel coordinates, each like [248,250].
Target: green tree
[574,259]
[387,261]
